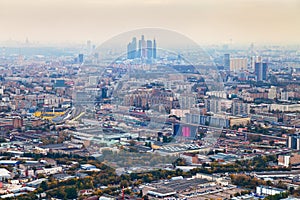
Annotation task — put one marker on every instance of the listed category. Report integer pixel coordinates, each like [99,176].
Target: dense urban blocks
[149,119]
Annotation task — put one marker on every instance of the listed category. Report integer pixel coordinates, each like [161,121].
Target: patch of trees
[277,196]
[246,181]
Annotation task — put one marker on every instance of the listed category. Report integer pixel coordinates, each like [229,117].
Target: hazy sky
[205,21]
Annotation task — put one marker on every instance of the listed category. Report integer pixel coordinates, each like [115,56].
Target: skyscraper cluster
[146,49]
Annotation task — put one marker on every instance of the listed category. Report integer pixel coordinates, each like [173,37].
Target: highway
[72,114]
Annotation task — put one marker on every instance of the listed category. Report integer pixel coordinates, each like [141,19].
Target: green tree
[60,193]
[44,186]
[71,193]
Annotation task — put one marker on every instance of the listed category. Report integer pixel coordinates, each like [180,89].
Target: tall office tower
[149,49]
[226,61]
[154,49]
[238,64]
[261,71]
[139,52]
[252,63]
[254,59]
[80,58]
[131,49]
[144,47]
[293,142]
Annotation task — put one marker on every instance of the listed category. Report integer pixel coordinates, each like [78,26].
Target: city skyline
[230,21]
[146,49]
[149,100]
[115,111]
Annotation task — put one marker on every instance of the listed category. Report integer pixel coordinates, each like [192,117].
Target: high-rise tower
[149,49]
[80,58]
[131,49]
[226,61]
[154,49]
[261,71]
[144,47]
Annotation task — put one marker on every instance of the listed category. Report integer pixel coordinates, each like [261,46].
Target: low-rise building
[4,174]
[268,190]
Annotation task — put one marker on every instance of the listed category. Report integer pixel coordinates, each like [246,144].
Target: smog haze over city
[150,99]
[214,22]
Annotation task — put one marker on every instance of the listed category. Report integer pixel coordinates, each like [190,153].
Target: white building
[4,174]
[268,190]
[220,94]
[272,93]
[284,160]
[285,107]
[49,171]
[284,96]
[179,112]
